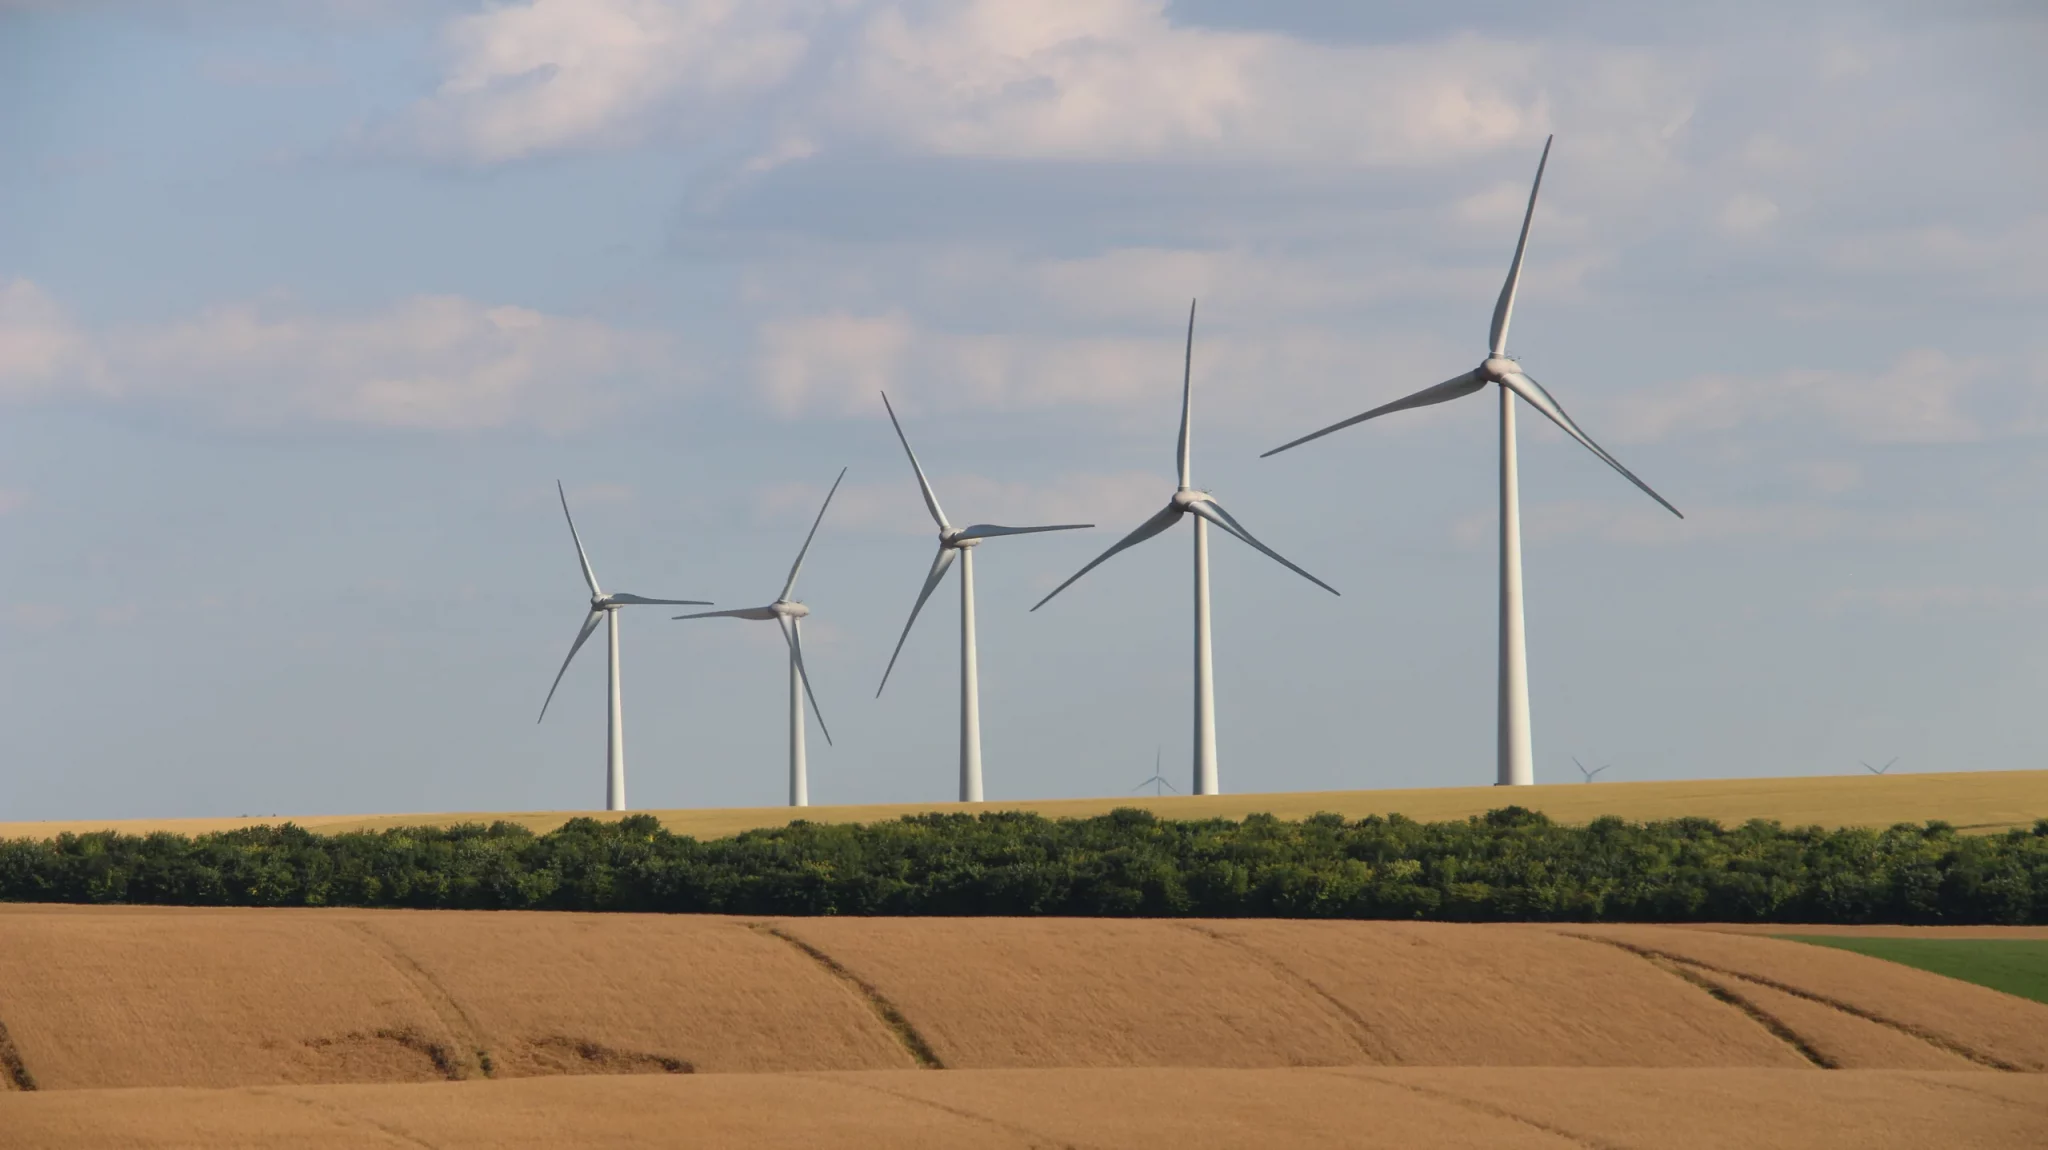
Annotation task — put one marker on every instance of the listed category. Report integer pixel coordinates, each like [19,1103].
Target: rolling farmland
[327,1027]
[226,1027]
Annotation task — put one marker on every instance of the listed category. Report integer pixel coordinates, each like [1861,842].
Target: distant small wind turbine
[1516,760]
[787,613]
[1190,501]
[957,542]
[1879,770]
[1589,774]
[1157,780]
[606,607]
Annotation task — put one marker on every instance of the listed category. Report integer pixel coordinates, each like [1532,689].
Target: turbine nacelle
[956,539]
[1499,367]
[1187,497]
[788,609]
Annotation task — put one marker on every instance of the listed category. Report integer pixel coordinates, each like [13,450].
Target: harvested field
[1982,1025]
[194,997]
[1178,1108]
[1977,801]
[96,997]
[1451,994]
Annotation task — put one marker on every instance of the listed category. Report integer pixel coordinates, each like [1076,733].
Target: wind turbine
[605,607]
[787,613]
[1582,768]
[1516,758]
[956,541]
[1187,500]
[1157,780]
[1879,770]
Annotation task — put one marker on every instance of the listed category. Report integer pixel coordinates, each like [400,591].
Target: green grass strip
[2014,965]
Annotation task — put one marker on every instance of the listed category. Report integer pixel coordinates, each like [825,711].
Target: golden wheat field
[132,1026]
[1978,801]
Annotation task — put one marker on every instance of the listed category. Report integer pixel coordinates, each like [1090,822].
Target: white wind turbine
[786,613]
[1516,758]
[1189,501]
[605,607]
[957,541]
[1158,781]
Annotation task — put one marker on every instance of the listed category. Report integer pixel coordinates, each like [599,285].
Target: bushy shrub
[1509,864]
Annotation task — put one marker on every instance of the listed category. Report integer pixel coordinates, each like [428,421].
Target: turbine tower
[956,541]
[605,607]
[1187,500]
[787,614]
[1516,758]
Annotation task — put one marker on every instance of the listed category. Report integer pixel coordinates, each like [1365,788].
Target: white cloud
[1275,376]
[1107,80]
[1918,400]
[1113,79]
[36,616]
[526,78]
[430,362]
[2001,261]
[1143,283]
[1747,214]
[41,349]
[829,361]
[1117,501]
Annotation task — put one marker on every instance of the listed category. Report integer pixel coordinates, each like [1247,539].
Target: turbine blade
[790,584]
[756,613]
[589,625]
[940,563]
[1187,375]
[991,531]
[1146,530]
[1214,513]
[931,501]
[792,631]
[639,600]
[1888,766]
[1449,389]
[1186,404]
[1504,308]
[589,576]
[1520,383]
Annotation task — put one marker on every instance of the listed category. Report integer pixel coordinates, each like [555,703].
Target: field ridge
[1923,1034]
[899,1027]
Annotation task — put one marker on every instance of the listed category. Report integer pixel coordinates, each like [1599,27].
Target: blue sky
[303,310]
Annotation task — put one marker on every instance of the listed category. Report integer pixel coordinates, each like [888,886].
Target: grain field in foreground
[95,997]
[1976,801]
[1181,1109]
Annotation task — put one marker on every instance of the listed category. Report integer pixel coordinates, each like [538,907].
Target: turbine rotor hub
[1188,496]
[789,610]
[1497,367]
[951,538]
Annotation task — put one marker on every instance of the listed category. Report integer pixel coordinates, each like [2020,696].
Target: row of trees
[1511,864]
